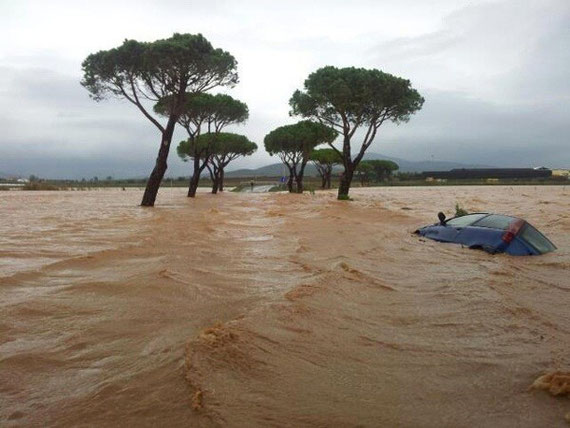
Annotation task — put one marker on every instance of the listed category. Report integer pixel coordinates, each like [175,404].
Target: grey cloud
[494,75]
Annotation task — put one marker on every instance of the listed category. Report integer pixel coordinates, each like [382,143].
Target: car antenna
[441,217]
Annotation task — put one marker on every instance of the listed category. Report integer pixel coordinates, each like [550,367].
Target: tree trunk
[290,180]
[214,176]
[155,178]
[328,179]
[299,178]
[323,181]
[221,180]
[195,179]
[345,180]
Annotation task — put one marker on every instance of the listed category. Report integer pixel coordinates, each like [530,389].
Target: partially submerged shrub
[460,212]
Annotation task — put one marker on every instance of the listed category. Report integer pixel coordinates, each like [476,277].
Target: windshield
[496,221]
[465,220]
[536,239]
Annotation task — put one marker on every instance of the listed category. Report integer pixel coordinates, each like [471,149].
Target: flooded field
[253,309]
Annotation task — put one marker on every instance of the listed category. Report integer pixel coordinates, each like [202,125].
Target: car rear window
[465,220]
[496,221]
[533,237]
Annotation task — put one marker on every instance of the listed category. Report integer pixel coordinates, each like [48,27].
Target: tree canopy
[191,147]
[299,138]
[228,144]
[324,160]
[224,147]
[325,156]
[163,69]
[350,98]
[293,144]
[378,169]
[211,111]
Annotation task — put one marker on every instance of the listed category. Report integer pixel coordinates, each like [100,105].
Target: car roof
[487,214]
[487,220]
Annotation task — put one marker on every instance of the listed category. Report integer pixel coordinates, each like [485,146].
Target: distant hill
[5,175]
[277,169]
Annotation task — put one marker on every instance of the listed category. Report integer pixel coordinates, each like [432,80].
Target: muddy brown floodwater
[277,310]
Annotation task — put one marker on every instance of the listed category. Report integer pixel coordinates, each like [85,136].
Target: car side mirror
[441,217]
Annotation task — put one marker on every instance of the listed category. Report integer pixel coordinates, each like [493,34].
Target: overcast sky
[495,75]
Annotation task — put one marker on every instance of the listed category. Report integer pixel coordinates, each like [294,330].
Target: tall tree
[293,144]
[325,160]
[142,72]
[203,113]
[349,99]
[224,148]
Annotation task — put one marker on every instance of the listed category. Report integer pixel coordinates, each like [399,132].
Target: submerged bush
[459,211]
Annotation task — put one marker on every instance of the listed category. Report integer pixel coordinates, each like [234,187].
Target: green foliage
[227,144]
[325,157]
[191,148]
[300,138]
[166,68]
[378,170]
[348,98]
[460,212]
[356,96]
[293,144]
[213,111]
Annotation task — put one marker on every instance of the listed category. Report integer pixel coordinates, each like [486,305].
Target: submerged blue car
[494,233]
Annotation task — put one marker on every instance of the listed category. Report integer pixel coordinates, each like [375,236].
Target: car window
[533,237]
[496,221]
[465,220]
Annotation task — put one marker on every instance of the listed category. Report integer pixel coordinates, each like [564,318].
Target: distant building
[488,173]
[559,172]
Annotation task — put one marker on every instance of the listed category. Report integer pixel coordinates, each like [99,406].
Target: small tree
[140,72]
[203,113]
[379,170]
[190,150]
[350,98]
[293,144]
[224,148]
[324,160]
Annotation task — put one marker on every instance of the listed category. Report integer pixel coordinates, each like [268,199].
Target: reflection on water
[276,309]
